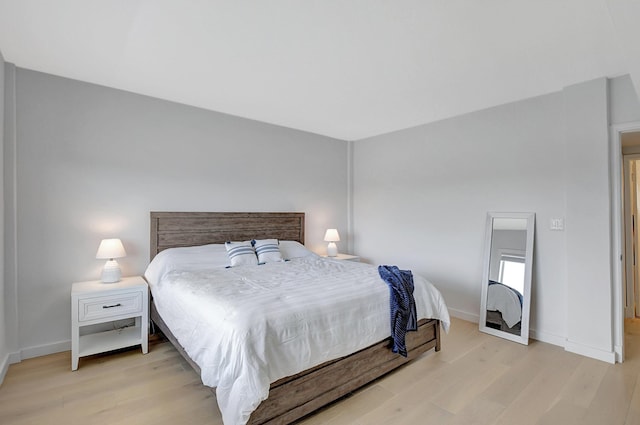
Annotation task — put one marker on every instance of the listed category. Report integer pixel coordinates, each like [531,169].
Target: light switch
[557,224]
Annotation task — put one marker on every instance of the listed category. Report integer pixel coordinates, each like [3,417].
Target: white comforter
[252,325]
[502,298]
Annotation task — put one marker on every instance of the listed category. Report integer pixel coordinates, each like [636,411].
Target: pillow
[241,253]
[293,249]
[267,250]
[192,258]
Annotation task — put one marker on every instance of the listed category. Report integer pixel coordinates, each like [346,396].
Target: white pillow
[192,258]
[241,253]
[293,249]
[267,250]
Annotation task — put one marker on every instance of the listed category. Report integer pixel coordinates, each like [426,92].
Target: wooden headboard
[174,229]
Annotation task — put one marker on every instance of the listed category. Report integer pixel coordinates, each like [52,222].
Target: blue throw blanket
[402,303]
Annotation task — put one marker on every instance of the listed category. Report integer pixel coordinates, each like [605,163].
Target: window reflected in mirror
[512,272]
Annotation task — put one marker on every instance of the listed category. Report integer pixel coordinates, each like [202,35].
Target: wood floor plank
[563,412]
[540,394]
[478,411]
[477,379]
[406,408]
[456,397]
[411,373]
[613,398]
[349,410]
[633,415]
[509,386]
[459,342]
[584,383]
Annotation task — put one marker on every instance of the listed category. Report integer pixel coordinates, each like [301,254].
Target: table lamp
[110,249]
[332,236]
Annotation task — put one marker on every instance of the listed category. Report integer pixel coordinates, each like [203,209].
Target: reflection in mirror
[506,279]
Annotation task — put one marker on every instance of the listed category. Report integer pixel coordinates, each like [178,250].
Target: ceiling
[345,69]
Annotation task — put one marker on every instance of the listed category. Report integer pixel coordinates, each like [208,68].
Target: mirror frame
[526,296]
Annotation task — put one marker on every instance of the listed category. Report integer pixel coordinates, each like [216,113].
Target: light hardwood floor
[475,379]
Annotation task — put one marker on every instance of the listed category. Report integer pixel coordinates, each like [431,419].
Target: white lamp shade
[110,248]
[332,235]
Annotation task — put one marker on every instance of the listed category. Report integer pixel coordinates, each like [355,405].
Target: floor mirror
[506,278]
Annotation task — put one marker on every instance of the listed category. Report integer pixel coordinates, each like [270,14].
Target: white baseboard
[594,353]
[45,349]
[618,350]
[560,341]
[30,352]
[4,367]
[469,317]
[8,360]
[533,334]
[553,339]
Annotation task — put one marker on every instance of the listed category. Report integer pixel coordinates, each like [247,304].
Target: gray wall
[84,162]
[91,162]
[421,196]
[588,233]
[432,186]
[623,105]
[623,15]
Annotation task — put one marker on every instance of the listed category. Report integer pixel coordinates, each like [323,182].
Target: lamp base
[111,272]
[332,250]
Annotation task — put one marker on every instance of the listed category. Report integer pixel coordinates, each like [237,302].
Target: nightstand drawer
[109,306]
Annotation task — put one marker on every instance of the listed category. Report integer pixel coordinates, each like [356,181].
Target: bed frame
[292,397]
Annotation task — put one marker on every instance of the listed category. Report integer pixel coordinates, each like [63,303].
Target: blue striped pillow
[267,250]
[241,253]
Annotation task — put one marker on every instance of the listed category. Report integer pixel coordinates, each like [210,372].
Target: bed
[504,308]
[300,392]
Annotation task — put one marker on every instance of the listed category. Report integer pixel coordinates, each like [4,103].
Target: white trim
[628,242]
[45,349]
[4,368]
[459,314]
[10,157]
[9,359]
[618,350]
[617,229]
[594,353]
[546,337]
[350,242]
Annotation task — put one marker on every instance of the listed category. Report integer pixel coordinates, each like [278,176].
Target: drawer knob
[111,306]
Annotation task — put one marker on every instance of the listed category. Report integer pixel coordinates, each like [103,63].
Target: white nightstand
[95,302]
[344,257]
